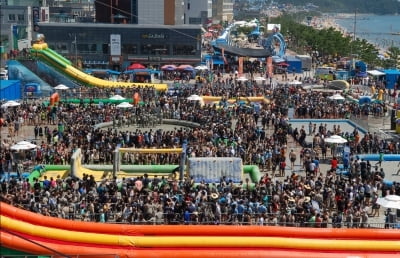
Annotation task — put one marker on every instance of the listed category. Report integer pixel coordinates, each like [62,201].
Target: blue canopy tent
[392,76]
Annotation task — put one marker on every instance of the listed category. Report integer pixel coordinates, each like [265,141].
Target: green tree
[393,60]
[328,42]
[365,51]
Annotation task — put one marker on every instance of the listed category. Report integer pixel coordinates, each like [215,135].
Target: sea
[381,30]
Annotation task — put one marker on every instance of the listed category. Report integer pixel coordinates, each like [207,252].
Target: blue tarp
[216,59]
[294,64]
[361,74]
[392,77]
[17,71]
[10,89]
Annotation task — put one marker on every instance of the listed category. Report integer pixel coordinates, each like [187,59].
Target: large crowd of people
[257,135]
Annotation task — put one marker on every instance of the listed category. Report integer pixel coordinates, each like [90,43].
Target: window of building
[184,50]
[11,17]
[145,49]
[149,49]
[130,49]
[93,48]
[60,47]
[188,6]
[83,48]
[21,17]
[105,48]
[193,20]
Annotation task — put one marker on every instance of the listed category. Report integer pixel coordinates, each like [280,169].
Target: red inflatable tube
[44,247]
[199,230]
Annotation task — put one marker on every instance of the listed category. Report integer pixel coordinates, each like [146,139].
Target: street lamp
[76,51]
[159,51]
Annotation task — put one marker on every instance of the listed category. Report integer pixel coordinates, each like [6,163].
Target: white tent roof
[375,73]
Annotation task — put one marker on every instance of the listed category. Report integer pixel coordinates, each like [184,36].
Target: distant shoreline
[330,21]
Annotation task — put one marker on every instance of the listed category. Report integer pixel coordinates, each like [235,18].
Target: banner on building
[45,14]
[32,87]
[269,66]
[223,56]
[240,69]
[35,18]
[115,44]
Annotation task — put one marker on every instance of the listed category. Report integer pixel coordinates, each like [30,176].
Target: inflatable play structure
[209,170]
[52,58]
[27,232]
[54,99]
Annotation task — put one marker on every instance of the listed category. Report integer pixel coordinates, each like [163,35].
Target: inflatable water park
[26,233]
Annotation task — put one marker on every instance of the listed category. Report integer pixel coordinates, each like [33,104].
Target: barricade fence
[208,218]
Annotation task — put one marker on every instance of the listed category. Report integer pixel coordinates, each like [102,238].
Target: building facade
[222,10]
[93,43]
[165,12]
[15,25]
[198,11]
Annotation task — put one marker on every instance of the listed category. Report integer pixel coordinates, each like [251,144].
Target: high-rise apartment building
[161,12]
[198,11]
[222,10]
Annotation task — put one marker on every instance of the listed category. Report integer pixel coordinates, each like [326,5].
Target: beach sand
[328,21]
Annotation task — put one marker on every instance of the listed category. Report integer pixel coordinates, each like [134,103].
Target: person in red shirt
[334,164]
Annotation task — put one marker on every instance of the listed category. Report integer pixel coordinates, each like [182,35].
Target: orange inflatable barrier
[34,233]
[41,246]
[54,98]
[198,230]
[136,98]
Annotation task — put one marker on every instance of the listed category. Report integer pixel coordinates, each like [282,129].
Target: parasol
[335,139]
[124,105]
[389,201]
[23,145]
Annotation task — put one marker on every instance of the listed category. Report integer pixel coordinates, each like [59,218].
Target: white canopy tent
[23,145]
[10,103]
[124,105]
[61,87]
[375,73]
[117,97]
[194,98]
[389,201]
[201,67]
[335,139]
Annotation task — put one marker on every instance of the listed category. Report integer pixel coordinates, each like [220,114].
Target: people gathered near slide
[313,198]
